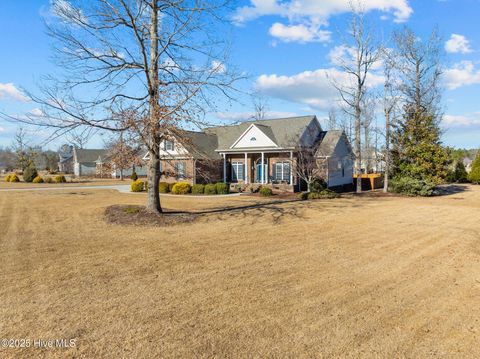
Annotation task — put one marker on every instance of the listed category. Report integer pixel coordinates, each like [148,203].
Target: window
[168,145]
[180,169]
[237,171]
[253,139]
[281,171]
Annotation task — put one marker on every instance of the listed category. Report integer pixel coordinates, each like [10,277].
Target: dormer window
[253,139]
[168,145]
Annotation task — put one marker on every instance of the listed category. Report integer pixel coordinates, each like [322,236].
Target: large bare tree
[364,55]
[152,67]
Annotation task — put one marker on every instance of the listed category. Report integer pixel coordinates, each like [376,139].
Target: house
[65,159]
[257,152]
[85,161]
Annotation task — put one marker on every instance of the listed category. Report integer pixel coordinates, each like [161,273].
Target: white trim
[246,168]
[263,134]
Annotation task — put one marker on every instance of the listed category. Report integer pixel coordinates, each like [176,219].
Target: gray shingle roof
[201,144]
[89,155]
[285,132]
[328,142]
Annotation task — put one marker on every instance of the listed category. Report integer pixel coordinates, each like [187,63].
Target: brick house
[257,152]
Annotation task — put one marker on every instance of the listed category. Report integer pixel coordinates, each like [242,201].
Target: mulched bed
[138,215]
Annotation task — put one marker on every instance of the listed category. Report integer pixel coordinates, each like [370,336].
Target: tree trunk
[153,176]
[121,174]
[358,149]
[387,151]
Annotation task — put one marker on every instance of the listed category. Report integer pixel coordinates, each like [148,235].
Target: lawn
[353,277]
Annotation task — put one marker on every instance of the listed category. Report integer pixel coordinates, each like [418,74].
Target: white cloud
[462,74]
[458,44]
[318,10]
[462,120]
[218,67]
[9,91]
[248,116]
[312,88]
[299,33]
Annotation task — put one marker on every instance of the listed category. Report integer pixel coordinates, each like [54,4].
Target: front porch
[272,169]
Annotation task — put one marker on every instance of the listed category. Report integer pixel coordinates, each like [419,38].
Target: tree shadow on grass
[450,189]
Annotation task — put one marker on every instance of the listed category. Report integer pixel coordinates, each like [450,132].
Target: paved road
[120,188]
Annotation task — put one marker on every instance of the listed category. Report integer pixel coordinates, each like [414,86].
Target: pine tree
[417,150]
[474,175]
[461,175]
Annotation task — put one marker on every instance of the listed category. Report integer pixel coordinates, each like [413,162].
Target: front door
[258,172]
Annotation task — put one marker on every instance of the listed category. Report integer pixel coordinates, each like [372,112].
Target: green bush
[60,179]
[474,175]
[326,193]
[265,192]
[302,196]
[170,186]
[412,186]
[30,173]
[210,188]
[198,189]
[134,176]
[181,188]
[222,188]
[48,180]
[318,185]
[163,187]
[14,178]
[137,186]
[38,179]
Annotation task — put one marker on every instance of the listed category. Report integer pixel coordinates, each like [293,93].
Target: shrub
[60,179]
[134,176]
[7,178]
[30,173]
[302,196]
[170,186]
[38,179]
[137,186]
[318,185]
[265,192]
[198,189]
[474,175]
[163,187]
[222,188]
[326,193]
[210,188]
[181,188]
[48,180]
[254,188]
[14,178]
[145,185]
[412,186]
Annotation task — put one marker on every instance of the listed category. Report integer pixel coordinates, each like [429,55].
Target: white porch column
[246,168]
[224,168]
[263,168]
[291,168]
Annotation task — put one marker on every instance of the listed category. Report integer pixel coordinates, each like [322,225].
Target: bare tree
[306,167]
[390,101]
[364,56]
[332,120]
[25,154]
[79,137]
[260,106]
[418,68]
[121,154]
[147,66]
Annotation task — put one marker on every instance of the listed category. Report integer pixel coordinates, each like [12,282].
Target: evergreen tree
[417,150]
[474,175]
[461,175]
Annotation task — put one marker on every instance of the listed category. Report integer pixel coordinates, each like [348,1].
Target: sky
[288,48]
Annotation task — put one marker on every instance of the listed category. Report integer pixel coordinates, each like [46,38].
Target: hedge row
[184,188]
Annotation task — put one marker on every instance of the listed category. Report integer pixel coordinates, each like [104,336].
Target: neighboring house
[257,152]
[85,161]
[65,159]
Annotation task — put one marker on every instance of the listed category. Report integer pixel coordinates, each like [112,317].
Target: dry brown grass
[355,277]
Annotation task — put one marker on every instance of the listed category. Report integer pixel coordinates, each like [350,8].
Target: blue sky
[286,48]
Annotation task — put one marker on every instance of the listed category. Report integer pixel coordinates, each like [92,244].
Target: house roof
[89,155]
[328,142]
[285,132]
[201,144]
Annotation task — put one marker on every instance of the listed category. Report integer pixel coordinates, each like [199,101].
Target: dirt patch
[138,215]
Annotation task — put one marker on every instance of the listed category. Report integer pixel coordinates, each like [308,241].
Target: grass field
[353,277]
